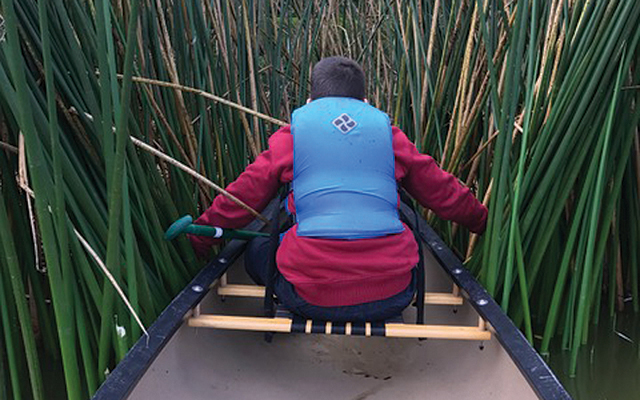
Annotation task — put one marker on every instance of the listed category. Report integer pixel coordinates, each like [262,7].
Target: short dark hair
[337,77]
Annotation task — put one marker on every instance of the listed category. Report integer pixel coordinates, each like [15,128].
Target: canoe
[210,343]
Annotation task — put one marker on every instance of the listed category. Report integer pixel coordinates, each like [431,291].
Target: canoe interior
[200,363]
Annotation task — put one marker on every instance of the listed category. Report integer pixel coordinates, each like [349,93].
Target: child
[348,257]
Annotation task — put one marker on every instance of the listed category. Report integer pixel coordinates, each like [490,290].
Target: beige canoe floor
[200,363]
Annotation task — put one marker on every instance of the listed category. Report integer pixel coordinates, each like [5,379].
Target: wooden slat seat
[286,322]
[300,325]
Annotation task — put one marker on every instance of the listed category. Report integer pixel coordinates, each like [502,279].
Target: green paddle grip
[185,225]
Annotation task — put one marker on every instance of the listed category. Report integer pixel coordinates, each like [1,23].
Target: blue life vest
[344,183]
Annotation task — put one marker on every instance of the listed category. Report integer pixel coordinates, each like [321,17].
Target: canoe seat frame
[296,324]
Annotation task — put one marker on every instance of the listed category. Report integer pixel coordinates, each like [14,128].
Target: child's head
[337,77]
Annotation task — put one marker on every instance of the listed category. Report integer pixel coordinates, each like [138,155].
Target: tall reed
[532,104]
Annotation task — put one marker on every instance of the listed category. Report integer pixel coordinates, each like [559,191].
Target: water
[609,365]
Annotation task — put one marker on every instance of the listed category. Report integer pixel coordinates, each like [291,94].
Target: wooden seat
[286,322]
[300,325]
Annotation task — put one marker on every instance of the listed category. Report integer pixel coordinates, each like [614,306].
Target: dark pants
[257,266]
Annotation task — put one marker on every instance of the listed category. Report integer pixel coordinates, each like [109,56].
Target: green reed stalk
[6,305]
[564,264]
[523,147]
[593,222]
[41,180]
[116,187]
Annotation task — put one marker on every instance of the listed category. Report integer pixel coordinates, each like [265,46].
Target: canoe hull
[200,363]
[178,361]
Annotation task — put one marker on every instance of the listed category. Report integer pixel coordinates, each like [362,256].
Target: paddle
[185,225]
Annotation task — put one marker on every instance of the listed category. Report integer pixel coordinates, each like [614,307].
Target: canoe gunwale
[123,379]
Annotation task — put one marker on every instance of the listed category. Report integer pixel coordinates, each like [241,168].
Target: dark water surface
[609,365]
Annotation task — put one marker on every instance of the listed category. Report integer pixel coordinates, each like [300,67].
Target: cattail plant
[533,104]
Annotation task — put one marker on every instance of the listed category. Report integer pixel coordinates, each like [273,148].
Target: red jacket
[331,272]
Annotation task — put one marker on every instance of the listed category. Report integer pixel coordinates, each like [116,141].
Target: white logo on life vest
[344,123]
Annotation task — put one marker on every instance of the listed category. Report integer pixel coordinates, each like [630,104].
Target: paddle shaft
[219,233]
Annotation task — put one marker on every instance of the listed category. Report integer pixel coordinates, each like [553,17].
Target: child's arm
[256,186]
[435,188]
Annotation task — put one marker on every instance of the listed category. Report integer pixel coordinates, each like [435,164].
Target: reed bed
[533,104]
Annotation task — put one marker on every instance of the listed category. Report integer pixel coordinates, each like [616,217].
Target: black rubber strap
[298,324]
[420,275]
[318,327]
[338,328]
[357,329]
[269,310]
[378,329]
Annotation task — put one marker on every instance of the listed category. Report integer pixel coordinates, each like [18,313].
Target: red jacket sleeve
[256,186]
[435,188]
